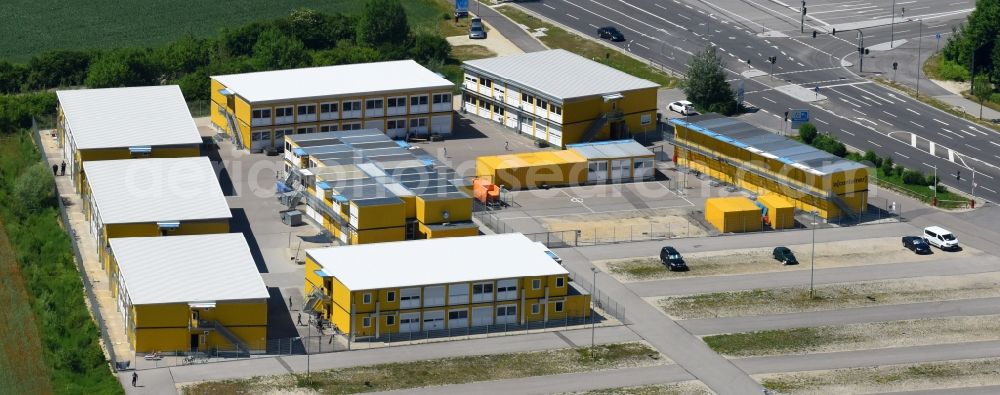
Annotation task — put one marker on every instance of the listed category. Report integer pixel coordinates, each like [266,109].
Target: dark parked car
[785,256]
[672,259]
[916,244]
[610,33]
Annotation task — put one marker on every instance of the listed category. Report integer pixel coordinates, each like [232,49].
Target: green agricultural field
[30,27]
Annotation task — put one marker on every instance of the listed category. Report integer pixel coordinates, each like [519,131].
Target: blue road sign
[937,36]
[461,7]
[799,117]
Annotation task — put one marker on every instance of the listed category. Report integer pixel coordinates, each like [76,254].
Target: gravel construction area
[891,378]
[830,297]
[760,260]
[682,388]
[627,226]
[852,337]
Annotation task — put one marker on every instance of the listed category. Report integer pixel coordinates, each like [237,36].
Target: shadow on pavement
[241,224]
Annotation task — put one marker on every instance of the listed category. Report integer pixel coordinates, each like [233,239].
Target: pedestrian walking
[958,175]
[135,378]
[55,170]
[300,319]
[62,168]
[506,145]
[445,152]
[289,302]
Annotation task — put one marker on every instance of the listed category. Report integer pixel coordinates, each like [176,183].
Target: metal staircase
[598,124]
[845,210]
[235,130]
[232,338]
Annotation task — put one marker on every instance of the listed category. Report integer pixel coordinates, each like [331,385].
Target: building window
[366,322]
[417,123]
[372,104]
[536,283]
[486,82]
[264,113]
[418,100]
[458,294]
[396,102]
[458,315]
[507,289]
[390,320]
[560,282]
[395,124]
[535,308]
[442,98]
[279,134]
[645,119]
[506,311]
[390,296]
[638,165]
[559,307]
[308,129]
[541,103]
[482,292]
[307,109]
[367,298]
[328,107]
[556,109]
[283,115]
[352,126]
[409,298]
[352,105]
[328,128]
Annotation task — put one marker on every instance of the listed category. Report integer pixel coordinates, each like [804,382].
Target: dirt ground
[681,388]
[760,260]
[904,333]
[628,226]
[880,379]
[830,297]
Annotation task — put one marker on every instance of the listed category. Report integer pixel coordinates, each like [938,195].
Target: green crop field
[30,27]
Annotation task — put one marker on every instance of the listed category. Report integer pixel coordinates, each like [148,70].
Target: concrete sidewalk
[506,27]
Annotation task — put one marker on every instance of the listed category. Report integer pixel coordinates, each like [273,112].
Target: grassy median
[892,378]
[556,37]
[403,375]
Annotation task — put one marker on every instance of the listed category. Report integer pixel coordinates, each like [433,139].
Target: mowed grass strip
[556,37]
[403,375]
[22,370]
[683,388]
[32,27]
[864,336]
[830,297]
[891,378]
[470,52]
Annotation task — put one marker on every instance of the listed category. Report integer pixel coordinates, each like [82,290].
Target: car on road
[785,256]
[672,259]
[682,107]
[610,33]
[916,244]
[476,29]
[940,238]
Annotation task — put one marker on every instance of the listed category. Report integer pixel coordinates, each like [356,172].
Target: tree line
[305,38]
[971,51]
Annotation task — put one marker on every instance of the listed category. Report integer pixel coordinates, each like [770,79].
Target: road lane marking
[911,110]
[548,6]
[821,121]
[897,153]
[916,124]
[572,16]
[842,130]
[765,98]
[994,143]
[875,144]
[940,121]
[977,149]
[959,136]
[889,114]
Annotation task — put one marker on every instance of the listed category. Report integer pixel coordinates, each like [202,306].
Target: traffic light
[834,31]
[786,116]
[772,59]
[814,34]
[866,51]
[895,65]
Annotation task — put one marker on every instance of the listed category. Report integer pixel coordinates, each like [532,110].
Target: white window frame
[354,106]
[536,309]
[461,297]
[536,283]
[432,301]
[305,130]
[284,114]
[329,128]
[506,289]
[395,105]
[390,296]
[329,115]
[409,298]
[559,306]
[560,282]
[366,298]
[366,322]
[419,104]
[258,117]
[483,296]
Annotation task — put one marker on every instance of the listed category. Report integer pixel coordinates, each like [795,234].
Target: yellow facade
[780,212]
[242,110]
[537,299]
[450,230]
[533,169]
[432,210]
[733,214]
[719,160]
[151,229]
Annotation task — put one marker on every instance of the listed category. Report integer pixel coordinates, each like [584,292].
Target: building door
[409,322]
[195,341]
[618,130]
[619,169]
[482,316]
[433,320]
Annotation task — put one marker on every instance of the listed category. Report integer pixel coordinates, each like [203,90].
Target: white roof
[435,261]
[348,79]
[559,74]
[128,117]
[183,269]
[155,190]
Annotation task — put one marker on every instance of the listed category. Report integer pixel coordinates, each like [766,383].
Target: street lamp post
[593,323]
[920,42]
[861,51]
[308,337]
[935,182]
[892,25]
[802,20]
[812,256]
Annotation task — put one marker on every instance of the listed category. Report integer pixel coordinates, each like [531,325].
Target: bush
[931,180]
[32,190]
[16,111]
[913,177]
[886,166]
[872,158]
[830,144]
[382,22]
[275,50]
[57,68]
[123,67]
[949,70]
[807,132]
[429,48]
[898,170]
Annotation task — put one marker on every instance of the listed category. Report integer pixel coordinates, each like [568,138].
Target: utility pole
[892,25]
[861,51]
[593,325]
[894,66]
[802,21]
[812,256]
[771,60]
[935,181]
[920,42]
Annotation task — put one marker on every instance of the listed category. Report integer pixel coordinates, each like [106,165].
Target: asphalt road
[911,311]
[859,112]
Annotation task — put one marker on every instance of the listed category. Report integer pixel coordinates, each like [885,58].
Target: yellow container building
[439,284]
[559,97]
[584,163]
[123,123]
[760,161]
[780,212]
[152,197]
[364,187]
[399,97]
[733,214]
[189,293]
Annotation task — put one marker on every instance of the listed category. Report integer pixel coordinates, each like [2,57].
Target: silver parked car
[476,29]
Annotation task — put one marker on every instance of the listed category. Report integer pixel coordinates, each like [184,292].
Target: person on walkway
[62,168]
[445,152]
[135,378]
[289,302]
[299,320]
[506,145]
[55,170]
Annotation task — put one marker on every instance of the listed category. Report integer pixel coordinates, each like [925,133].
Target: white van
[940,238]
